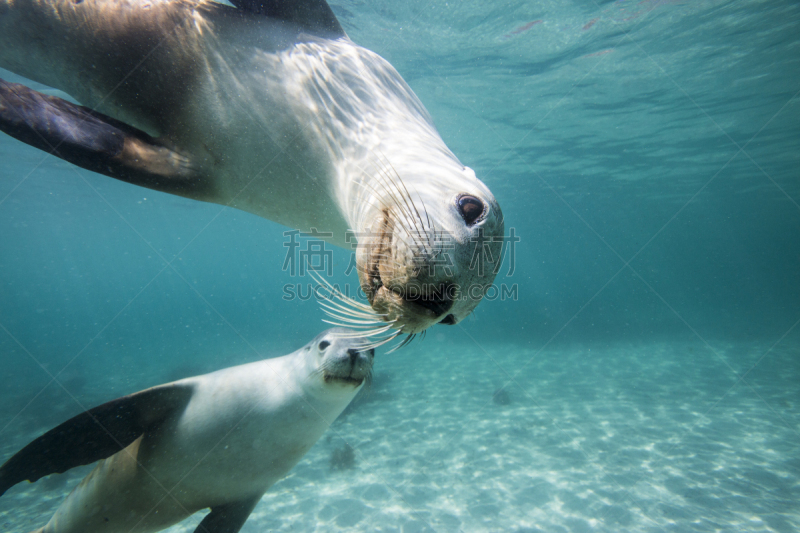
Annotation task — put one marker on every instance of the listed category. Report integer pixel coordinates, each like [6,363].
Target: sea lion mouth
[347,380]
[414,299]
[351,369]
[398,283]
[434,297]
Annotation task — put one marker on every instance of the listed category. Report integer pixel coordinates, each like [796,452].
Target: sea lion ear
[95,434]
[313,15]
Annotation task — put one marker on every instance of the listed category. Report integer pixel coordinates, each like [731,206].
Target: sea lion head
[430,250]
[429,233]
[339,358]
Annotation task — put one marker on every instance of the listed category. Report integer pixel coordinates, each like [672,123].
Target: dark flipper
[95,141]
[228,518]
[95,434]
[313,15]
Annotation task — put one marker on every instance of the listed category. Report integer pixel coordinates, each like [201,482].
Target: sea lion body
[280,115]
[227,437]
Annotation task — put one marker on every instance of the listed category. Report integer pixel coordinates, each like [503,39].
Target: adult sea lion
[268,107]
[215,441]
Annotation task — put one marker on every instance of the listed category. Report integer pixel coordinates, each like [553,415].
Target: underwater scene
[635,364]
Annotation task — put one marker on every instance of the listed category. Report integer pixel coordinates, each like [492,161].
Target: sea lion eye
[470,208]
[323,345]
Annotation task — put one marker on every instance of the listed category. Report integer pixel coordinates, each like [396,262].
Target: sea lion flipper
[94,141]
[228,518]
[313,15]
[94,434]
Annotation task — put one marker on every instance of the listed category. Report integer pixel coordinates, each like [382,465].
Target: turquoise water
[647,155]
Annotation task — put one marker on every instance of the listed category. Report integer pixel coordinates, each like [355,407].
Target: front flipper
[95,434]
[95,141]
[228,518]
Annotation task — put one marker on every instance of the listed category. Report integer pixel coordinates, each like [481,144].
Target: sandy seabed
[639,437]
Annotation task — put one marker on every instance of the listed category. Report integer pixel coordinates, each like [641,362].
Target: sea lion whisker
[388,261]
[381,342]
[376,331]
[352,320]
[344,313]
[410,223]
[403,220]
[378,344]
[341,297]
[344,306]
[408,200]
[367,384]
[404,342]
[408,196]
[319,370]
[351,317]
[341,300]
[347,325]
[333,302]
[379,173]
[386,177]
[339,307]
[355,319]
[376,327]
[389,186]
[352,308]
[375,192]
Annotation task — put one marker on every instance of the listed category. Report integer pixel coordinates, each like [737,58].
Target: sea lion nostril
[353,353]
[470,209]
[449,320]
[436,298]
